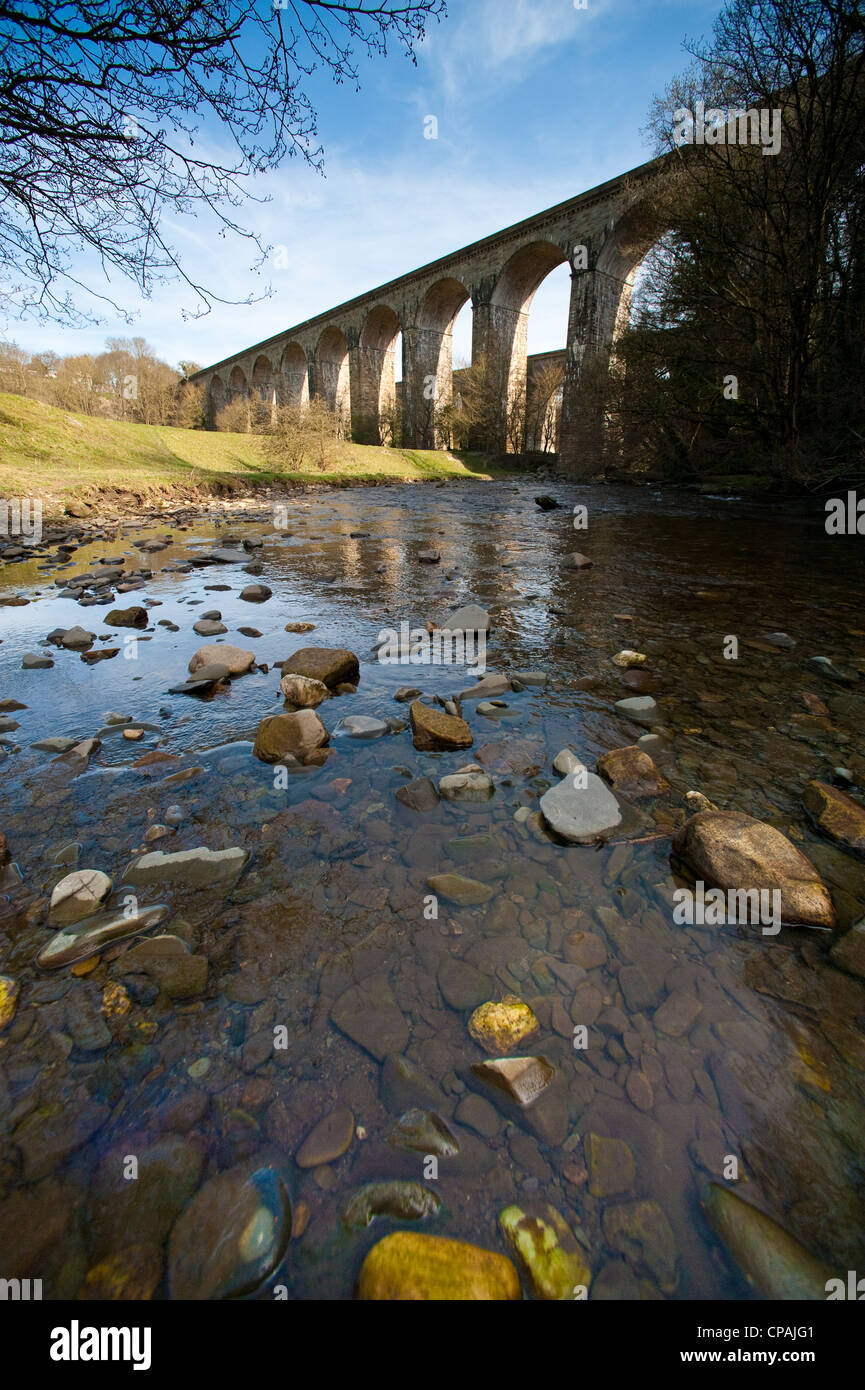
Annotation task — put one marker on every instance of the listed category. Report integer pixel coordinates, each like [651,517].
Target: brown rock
[299,734]
[328,1140]
[222,654]
[631,772]
[419,795]
[127,617]
[727,849]
[303,691]
[330,665]
[434,729]
[836,815]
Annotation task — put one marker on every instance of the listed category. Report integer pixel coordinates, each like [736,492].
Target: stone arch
[374,401]
[262,378]
[600,310]
[332,370]
[293,379]
[263,393]
[620,258]
[503,343]
[237,383]
[216,395]
[428,369]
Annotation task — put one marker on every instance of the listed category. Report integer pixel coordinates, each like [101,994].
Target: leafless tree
[111,110]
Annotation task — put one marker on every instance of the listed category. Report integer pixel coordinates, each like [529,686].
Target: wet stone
[504,1026]
[407,1201]
[641,1232]
[433,729]
[191,868]
[329,665]
[128,1212]
[369,1015]
[678,1014]
[404,1087]
[541,1240]
[129,1275]
[425,1132]
[77,896]
[328,1141]
[52,1132]
[476,1113]
[611,1166]
[419,795]
[463,986]
[408,1266]
[462,891]
[231,1237]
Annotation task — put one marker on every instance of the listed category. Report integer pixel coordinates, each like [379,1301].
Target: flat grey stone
[580,813]
[642,709]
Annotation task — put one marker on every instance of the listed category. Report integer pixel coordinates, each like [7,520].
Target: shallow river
[762,1059]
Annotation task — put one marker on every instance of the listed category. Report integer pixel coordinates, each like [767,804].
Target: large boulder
[330,665]
[222,654]
[410,1266]
[434,729]
[836,815]
[298,733]
[726,849]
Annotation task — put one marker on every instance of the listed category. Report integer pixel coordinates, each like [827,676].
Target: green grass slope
[59,456]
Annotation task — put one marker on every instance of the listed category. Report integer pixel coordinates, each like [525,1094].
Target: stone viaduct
[346,355]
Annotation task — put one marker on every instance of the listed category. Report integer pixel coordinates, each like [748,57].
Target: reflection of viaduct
[346,355]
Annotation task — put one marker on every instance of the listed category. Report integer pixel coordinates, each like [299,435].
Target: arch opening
[293,379]
[263,402]
[430,398]
[375,416]
[332,372]
[502,352]
[216,399]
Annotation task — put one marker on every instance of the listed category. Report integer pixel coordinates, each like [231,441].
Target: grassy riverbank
[62,457]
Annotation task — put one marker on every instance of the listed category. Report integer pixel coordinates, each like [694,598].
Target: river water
[769,1066]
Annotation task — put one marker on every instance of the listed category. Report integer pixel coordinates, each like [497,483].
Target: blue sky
[535,100]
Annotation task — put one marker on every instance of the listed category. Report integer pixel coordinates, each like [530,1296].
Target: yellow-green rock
[501,1027]
[8,1000]
[548,1250]
[410,1267]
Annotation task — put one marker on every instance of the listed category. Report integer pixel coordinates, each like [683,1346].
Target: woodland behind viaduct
[346,355]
